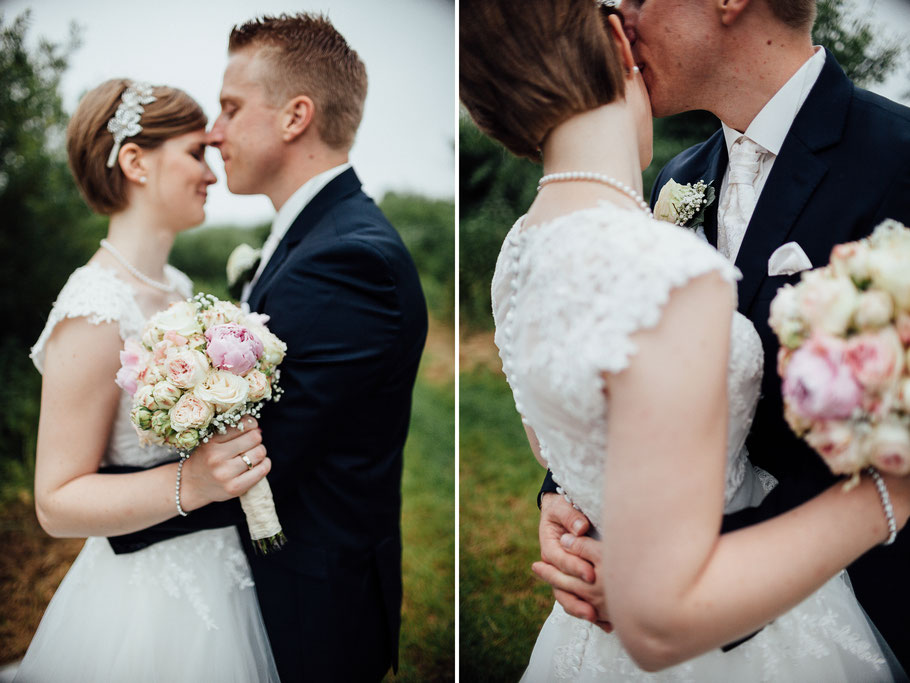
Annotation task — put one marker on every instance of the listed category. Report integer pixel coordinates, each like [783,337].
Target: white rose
[890,271]
[851,260]
[273,349]
[224,390]
[786,319]
[144,397]
[828,303]
[191,412]
[179,317]
[242,259]
[875,309]
[668,202]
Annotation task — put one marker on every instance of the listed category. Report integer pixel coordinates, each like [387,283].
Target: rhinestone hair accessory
[125,122]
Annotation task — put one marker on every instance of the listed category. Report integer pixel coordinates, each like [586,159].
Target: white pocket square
[788,259]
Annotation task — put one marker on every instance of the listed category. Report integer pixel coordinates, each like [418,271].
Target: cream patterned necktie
[739,199]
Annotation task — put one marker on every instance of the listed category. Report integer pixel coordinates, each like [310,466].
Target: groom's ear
[729,10]
[296,117]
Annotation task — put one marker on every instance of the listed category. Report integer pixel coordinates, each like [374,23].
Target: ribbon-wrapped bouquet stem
[845,354]
[200,367]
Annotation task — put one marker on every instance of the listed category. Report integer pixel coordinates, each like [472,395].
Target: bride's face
[178,178]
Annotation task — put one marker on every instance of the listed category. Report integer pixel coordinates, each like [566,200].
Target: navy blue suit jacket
[343,293]
[843,168]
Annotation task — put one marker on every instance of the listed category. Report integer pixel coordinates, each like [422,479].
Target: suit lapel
[796,174]
[339,188]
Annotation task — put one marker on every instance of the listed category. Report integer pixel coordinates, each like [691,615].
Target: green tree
[47,229]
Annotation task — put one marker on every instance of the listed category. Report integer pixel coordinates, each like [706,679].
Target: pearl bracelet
[179,473]
[886,504]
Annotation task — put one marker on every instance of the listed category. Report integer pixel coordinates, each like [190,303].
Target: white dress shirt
[285,218]
[770,127]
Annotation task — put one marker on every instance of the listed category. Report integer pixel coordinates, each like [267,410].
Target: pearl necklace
[135,272]
[596,178]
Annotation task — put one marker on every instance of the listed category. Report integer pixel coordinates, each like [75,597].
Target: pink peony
[818,384]
[875,358]
[133,360]
[233,347]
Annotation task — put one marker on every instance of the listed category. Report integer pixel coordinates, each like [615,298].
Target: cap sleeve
[98,295]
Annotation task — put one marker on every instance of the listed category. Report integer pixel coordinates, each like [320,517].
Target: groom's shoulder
[873,107]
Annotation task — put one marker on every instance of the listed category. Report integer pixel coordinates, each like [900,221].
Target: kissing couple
[687,533]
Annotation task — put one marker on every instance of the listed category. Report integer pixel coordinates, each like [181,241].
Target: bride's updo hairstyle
[89,142]
[525,67]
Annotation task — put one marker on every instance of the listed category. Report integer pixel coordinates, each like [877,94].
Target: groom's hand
[571,573]
[216,470]
[582,599]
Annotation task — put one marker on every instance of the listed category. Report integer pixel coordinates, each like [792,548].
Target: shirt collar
[301,197]
[770,127]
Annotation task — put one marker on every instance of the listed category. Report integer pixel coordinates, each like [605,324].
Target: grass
[502,604]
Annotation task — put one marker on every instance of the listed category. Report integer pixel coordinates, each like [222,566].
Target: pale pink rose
[902,325]
[191,412]
[175,338]
[818,384]
[838,445]
[221,313]
[165,394]
[186,368]
[888,447]
[233,348]
[224,390]
[875,309]
[827,303]
[145,398]
[133,360]
[151,374]
[875,358]
[260,388]
[904,395]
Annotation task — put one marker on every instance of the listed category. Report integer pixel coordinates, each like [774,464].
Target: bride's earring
[143,180]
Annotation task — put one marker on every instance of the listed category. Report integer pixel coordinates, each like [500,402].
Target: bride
[183,609]
[619,338]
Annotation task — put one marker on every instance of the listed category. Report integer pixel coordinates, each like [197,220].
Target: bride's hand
[216,470]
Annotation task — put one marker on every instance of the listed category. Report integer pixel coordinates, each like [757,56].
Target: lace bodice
[567,297]
[99,295]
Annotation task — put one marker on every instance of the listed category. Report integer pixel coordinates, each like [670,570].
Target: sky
[406,142]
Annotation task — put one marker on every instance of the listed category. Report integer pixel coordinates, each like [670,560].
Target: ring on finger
[246,459]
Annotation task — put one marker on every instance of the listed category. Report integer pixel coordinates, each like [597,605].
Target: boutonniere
[241,266]
[684,205]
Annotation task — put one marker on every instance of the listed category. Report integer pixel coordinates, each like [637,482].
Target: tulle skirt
[826,638]
[180,610]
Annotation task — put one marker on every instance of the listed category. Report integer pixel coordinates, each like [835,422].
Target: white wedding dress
[180,610]
[567,297]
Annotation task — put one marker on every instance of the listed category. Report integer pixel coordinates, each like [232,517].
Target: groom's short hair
[309,57]
[527,67]
[798,14]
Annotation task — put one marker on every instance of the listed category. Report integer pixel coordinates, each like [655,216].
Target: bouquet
[844,332]
[200,367]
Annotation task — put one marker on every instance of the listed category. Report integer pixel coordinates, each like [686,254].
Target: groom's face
[674,43]
[247,132]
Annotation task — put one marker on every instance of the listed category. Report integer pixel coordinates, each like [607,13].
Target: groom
[343,293]
[803,157]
